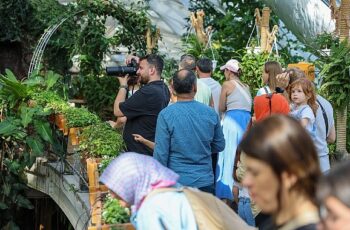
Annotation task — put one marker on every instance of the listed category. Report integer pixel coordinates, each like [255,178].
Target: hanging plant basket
[255,49]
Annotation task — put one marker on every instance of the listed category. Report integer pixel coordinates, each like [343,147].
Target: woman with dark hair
[270,70]
[235,103]
[281,172]
[333,194]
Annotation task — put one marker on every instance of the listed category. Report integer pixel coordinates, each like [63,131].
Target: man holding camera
[142,109]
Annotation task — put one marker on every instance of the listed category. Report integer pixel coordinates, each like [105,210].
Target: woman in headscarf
[132,177]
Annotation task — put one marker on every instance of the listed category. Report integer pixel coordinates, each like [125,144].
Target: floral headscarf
[132,176]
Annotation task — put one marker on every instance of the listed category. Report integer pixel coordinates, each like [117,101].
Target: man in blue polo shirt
[187,133]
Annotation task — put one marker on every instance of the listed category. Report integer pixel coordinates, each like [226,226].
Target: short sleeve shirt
[142,111]
[203,94]
[321,135]
[305,112]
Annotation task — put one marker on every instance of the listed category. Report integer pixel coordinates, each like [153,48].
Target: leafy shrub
[100,140]
[114,213]
[79,117]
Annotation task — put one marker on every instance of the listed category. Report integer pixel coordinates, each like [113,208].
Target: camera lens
[121,70]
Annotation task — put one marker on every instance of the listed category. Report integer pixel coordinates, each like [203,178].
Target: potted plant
[76,119]
[101,140]
[113,213]
[98,141]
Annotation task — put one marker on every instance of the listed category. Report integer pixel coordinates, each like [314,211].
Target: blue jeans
[245,212]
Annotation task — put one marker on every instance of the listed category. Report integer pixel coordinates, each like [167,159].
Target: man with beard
[142,108]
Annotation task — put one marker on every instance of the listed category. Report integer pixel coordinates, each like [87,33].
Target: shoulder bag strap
[324,115]
[266,91]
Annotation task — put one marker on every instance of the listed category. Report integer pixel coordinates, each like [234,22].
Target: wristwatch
[124,86]
[279,90]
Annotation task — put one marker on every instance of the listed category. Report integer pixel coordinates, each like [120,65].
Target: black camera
[130,69]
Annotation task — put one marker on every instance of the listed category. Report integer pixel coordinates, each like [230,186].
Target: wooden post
[342,16]
[263,23]
[197,20]
[94,193]
[152,39]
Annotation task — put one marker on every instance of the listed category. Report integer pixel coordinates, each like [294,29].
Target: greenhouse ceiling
[304,18]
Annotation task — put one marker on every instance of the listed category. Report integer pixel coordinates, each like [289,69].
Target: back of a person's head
[272,68]
[205,65]
[183,81]
[295,74]
[156,61]
[283,144]
[336,183]
[187,62]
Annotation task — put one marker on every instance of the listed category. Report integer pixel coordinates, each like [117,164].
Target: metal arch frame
[40,47]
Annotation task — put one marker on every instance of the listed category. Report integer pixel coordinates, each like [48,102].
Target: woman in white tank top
[235,104]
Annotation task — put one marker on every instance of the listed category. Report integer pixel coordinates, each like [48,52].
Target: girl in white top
[304,106]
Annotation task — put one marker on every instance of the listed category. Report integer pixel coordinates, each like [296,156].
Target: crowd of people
[270,166]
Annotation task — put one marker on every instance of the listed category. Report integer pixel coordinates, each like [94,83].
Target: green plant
[170,66]
[13,15]
[25,134]
[99,93]
[335,74]
[106,160]
[100,140]
[79,117]
[50,100]
[252,66]
[114,213]
[12,195]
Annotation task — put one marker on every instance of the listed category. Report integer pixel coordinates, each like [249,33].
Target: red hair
[309,90]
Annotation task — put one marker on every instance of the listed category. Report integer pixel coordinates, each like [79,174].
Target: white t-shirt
[203,94]
[305,112]
[215,91]
[263,90]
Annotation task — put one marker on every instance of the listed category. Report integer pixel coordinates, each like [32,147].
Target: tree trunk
[341,130]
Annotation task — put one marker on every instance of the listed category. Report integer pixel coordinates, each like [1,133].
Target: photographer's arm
[120,96]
